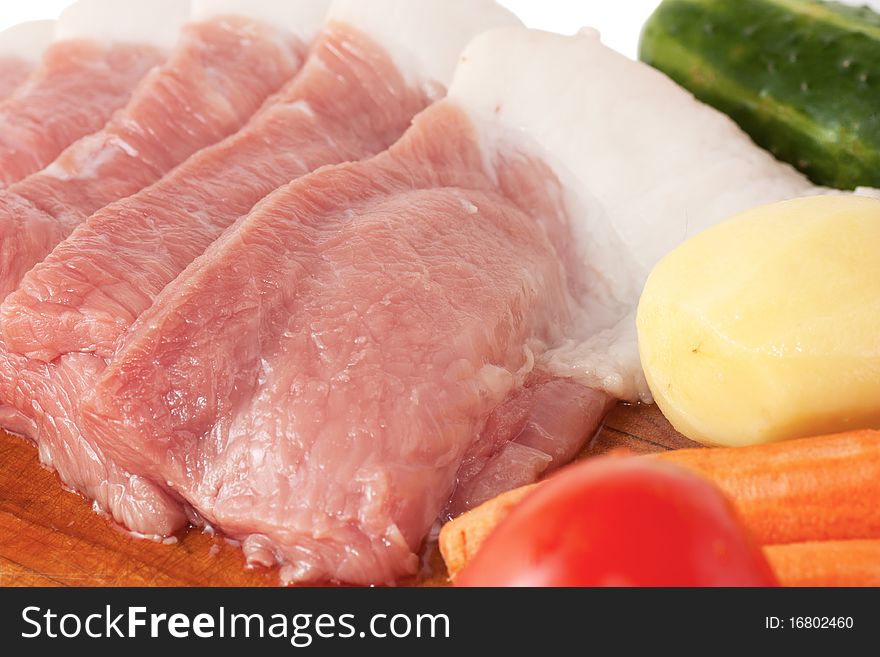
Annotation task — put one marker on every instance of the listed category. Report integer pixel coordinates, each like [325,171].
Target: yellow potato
[767,326]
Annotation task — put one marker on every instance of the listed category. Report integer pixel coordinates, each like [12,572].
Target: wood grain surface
[51,537]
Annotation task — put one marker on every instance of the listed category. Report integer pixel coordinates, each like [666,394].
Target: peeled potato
[767,327]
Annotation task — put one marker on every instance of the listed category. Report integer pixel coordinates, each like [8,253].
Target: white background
[619,21]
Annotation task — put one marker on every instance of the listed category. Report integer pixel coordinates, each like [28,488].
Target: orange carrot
[813,489]
[827,563]
[461,538]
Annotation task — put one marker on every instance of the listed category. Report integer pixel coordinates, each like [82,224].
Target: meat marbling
[353,98]
[85,76]
[381,342]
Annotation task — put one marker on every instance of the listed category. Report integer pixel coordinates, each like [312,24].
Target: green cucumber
[802,77]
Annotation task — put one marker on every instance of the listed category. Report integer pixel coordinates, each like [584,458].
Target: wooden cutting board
[50,537]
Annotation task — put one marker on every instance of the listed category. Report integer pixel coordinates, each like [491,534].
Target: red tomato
[620,522]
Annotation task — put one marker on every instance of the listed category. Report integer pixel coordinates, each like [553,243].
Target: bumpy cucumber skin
[805,88]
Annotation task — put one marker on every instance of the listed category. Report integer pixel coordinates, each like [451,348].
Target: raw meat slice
[312,383]
[220,73]
[378,342]
[21,48]
[349,101]
[82,80]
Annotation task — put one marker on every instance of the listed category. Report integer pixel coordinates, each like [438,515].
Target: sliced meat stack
[356,95]
[102,51]
[218,75]
[350,101]
[21,48]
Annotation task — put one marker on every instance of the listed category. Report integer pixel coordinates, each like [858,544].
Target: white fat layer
[424,38]
[644,165]
[156,22]
[302,18]
[27,40]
